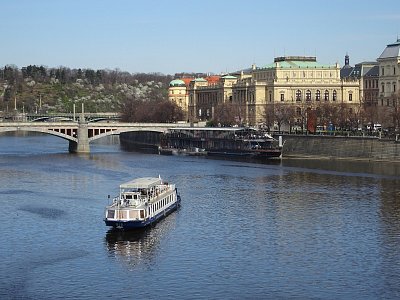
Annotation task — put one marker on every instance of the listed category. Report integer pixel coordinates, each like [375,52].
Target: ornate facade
[389,71]
[388,109]
[177,93]
[205,96]
[300,82]
[367,74]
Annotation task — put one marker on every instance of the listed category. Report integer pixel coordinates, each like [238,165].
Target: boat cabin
[139,191]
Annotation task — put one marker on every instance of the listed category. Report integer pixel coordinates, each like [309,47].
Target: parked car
[374,127]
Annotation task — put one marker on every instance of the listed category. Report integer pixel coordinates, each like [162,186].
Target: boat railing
[122,202]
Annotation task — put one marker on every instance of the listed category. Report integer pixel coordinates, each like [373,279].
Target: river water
[296,229]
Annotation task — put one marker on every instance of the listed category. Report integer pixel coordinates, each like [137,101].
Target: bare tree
[395,111]
[224,114]
[156,110]
[283,114]
[268,116]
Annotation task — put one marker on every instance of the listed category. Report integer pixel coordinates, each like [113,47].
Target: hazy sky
[170,36]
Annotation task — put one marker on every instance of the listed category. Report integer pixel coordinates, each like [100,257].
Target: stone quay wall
[340,147]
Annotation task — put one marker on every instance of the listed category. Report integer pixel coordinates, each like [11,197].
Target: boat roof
[223,129]
[214,128]
[141,183]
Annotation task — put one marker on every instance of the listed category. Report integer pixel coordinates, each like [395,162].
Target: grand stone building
[389,71]
[388,110]
[177,92]
[300,82]
[296,81]
[367,73]
[204,96]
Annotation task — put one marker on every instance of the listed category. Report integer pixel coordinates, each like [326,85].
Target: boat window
[142,214]
[122,214]
[133,214]
[111,214]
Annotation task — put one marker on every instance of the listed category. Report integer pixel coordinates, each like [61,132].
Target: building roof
[358,71]
[391,50]
[187,80]
[199,79]
[177,82]
[229,77]
[373,72]
[212,79]
[346,71]
[296,62]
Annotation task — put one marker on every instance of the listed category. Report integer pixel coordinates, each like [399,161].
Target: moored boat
[188,152]
[141,202]
[225,141]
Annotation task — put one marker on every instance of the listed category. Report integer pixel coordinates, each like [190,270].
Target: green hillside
[46,90]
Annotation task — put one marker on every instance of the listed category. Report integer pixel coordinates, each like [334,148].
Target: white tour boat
[141,202]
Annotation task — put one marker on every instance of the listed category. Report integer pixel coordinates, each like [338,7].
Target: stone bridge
[80,134]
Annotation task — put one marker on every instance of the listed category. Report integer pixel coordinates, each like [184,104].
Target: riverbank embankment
[340,147]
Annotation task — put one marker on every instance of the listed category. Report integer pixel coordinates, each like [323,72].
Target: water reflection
[138,246]
[133,247]
[348,166]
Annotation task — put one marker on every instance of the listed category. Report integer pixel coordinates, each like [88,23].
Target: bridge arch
[123,130]
[41,130]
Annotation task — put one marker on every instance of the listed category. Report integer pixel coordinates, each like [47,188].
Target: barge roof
[141,183]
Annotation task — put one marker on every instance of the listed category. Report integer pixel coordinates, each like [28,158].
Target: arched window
[308,95]
[318,95]
[326,95]
[334,95]
[298,95]
[298,111]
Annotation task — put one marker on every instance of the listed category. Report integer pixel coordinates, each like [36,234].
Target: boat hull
[239,153]
[134,224]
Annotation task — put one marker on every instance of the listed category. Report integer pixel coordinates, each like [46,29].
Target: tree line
[307,116]
[13,75]
[137,96]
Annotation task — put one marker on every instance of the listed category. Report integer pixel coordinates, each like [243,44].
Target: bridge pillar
[83,140]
